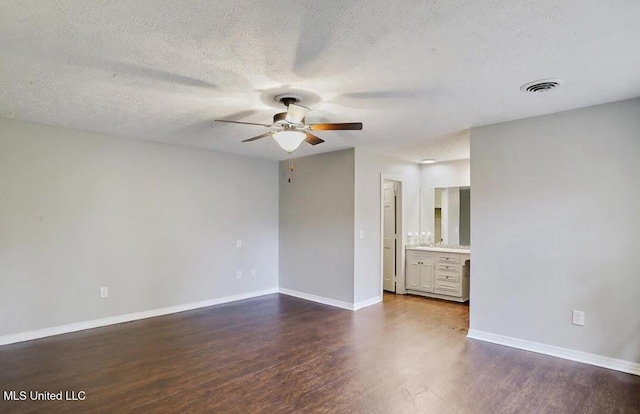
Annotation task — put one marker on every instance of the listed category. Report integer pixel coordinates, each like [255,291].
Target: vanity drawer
[448,276]
[448,258]
[448,267]
[418,256]
[448,288]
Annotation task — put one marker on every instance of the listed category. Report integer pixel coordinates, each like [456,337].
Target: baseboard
[79,326]
[367,302]
[565,353]
[318,299]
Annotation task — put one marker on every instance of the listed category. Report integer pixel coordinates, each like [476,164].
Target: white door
[389,242]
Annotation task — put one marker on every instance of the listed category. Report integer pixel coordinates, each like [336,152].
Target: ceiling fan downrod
[288,98]
[288,101]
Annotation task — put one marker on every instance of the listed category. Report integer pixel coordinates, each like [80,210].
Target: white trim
[96,323]
[400,281]
[318,299]
[564,353]
[367,302]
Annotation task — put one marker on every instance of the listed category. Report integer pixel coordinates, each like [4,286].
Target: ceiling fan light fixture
[289,140]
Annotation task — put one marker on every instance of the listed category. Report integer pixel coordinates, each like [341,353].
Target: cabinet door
[426,277]
[413,276]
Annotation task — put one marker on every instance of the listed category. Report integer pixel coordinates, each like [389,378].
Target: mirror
[446,214]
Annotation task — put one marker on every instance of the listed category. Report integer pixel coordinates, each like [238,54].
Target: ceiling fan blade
[240,122]
[266,134]
[313,140]
[296,113]
[352,126]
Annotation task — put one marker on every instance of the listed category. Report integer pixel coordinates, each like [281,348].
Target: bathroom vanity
[438,272]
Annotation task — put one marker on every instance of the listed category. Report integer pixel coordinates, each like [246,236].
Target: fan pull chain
[290,167]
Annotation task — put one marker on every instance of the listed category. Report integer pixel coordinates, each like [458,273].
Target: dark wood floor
[278,354]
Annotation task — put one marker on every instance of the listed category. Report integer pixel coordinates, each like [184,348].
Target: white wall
[556,217]
[445,174]
[316,226]
[332,197]
[155,223]
[368,167]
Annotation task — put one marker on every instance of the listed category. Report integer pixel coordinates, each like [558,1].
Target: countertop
[444,249]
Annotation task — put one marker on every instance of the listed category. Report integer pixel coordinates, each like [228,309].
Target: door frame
[400,282]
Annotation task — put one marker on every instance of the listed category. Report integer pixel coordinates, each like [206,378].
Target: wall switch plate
[239,274]
[577,318]
[253,272]
[361,234]
[104,292]
[238,243]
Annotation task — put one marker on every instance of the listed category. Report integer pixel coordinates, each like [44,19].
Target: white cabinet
[443,275]
[419,275]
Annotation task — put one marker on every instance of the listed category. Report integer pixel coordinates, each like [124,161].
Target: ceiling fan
[289,129]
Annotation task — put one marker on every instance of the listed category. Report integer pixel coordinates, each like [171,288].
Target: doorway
[391,233]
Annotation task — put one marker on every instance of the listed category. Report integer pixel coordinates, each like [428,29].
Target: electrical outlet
[577,318]
[253,272]
[104,292]
[238,243]
[239,274]
[361,234]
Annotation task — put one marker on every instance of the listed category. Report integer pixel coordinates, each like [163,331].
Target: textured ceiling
[417,73]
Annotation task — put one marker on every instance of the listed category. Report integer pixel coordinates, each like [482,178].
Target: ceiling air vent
[542,85]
